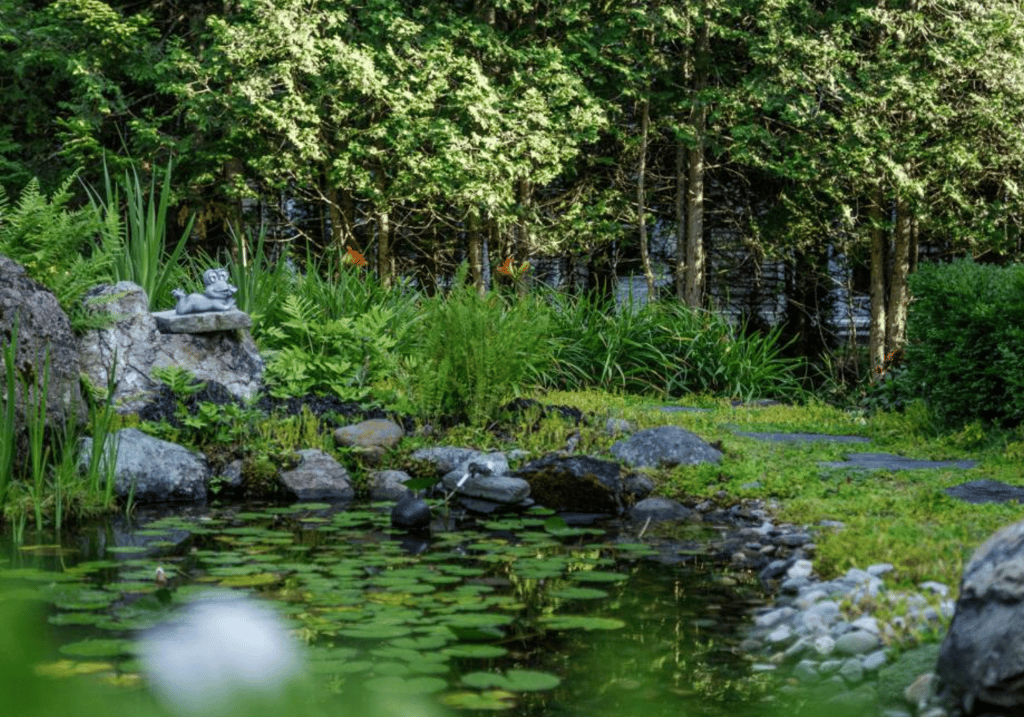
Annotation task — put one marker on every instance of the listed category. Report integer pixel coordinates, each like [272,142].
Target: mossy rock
[579,484]
[260,477]
[894,678]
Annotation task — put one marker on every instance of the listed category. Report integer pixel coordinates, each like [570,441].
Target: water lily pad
[251,581]
[581,622]
[491,700]
[83,599]
[127,549]
[311,506]
[392,685]
[471,650]
[70,668]
[77,618]
[97,648]
[47,550]
[38,575]
[597,576]
[375,631]
[425,642]
[513,680]
[488,619]
[577,593]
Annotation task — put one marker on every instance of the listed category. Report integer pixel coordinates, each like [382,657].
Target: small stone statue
[218,295]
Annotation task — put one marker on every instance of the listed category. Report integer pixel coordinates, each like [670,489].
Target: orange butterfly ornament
[355,257]
[509,270]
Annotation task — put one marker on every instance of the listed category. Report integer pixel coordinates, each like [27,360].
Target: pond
[529,615]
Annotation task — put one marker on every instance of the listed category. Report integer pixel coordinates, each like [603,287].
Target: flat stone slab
[169,322]
[986,491]
[800,437]
[681,409]
[888,462]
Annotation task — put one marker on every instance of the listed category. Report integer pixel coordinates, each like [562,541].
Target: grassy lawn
[899,517]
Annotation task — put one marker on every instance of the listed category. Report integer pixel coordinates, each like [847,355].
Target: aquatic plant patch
[476,622]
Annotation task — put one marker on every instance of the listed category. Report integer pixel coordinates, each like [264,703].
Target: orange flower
[506,267]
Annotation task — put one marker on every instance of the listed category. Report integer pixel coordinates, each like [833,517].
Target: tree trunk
[384,268]
[522,252]
[876,340]
[896,320]
[680,267]
[695,190]
[641,214]
[342,209]
[476,251]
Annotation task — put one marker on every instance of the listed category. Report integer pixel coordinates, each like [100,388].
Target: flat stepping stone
[680,409]
[986,491]
[887,462]
[798,437]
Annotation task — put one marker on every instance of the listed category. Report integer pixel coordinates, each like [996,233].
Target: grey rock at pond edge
[665,446]
[857,642]
[373,433]
[229,358]
[445,458]
[170,322]
[159,471]
[495,488]
[986,491]
[42,327]
[659,509]
[577,484]
[318,477]
[410,513]
[388,485]
[982,655]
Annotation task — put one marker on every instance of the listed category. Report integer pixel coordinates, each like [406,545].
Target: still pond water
[526,615]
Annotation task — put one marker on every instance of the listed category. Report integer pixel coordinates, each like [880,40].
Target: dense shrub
[965,342]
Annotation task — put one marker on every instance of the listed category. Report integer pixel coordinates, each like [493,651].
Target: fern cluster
[308,352]
[56,245]
[475,352]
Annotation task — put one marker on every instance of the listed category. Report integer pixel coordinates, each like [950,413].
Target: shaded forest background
[418,133]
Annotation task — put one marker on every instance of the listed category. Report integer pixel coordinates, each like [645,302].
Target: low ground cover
[901,517]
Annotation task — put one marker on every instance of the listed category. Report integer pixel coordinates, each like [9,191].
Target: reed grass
[139,242]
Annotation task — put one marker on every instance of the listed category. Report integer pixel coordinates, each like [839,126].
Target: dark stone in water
[411,513]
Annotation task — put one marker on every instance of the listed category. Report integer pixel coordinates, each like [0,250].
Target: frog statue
[218,296]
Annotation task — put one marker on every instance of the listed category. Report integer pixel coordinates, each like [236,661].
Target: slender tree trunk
[680,267]
[641,213]
[695,190]
[476,251]
[384,267]
[341,208]
[522,252]
[876,336]
[896,320]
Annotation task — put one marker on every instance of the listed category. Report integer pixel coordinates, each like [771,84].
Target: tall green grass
[663,348]
[139,241]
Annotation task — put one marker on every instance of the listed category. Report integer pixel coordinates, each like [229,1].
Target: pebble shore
[829,633]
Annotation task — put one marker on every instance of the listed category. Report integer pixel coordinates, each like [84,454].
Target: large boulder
[151,470]
[132,346]
[577,484]
[43,328]
[665,446]
[982,657]
[318,477]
